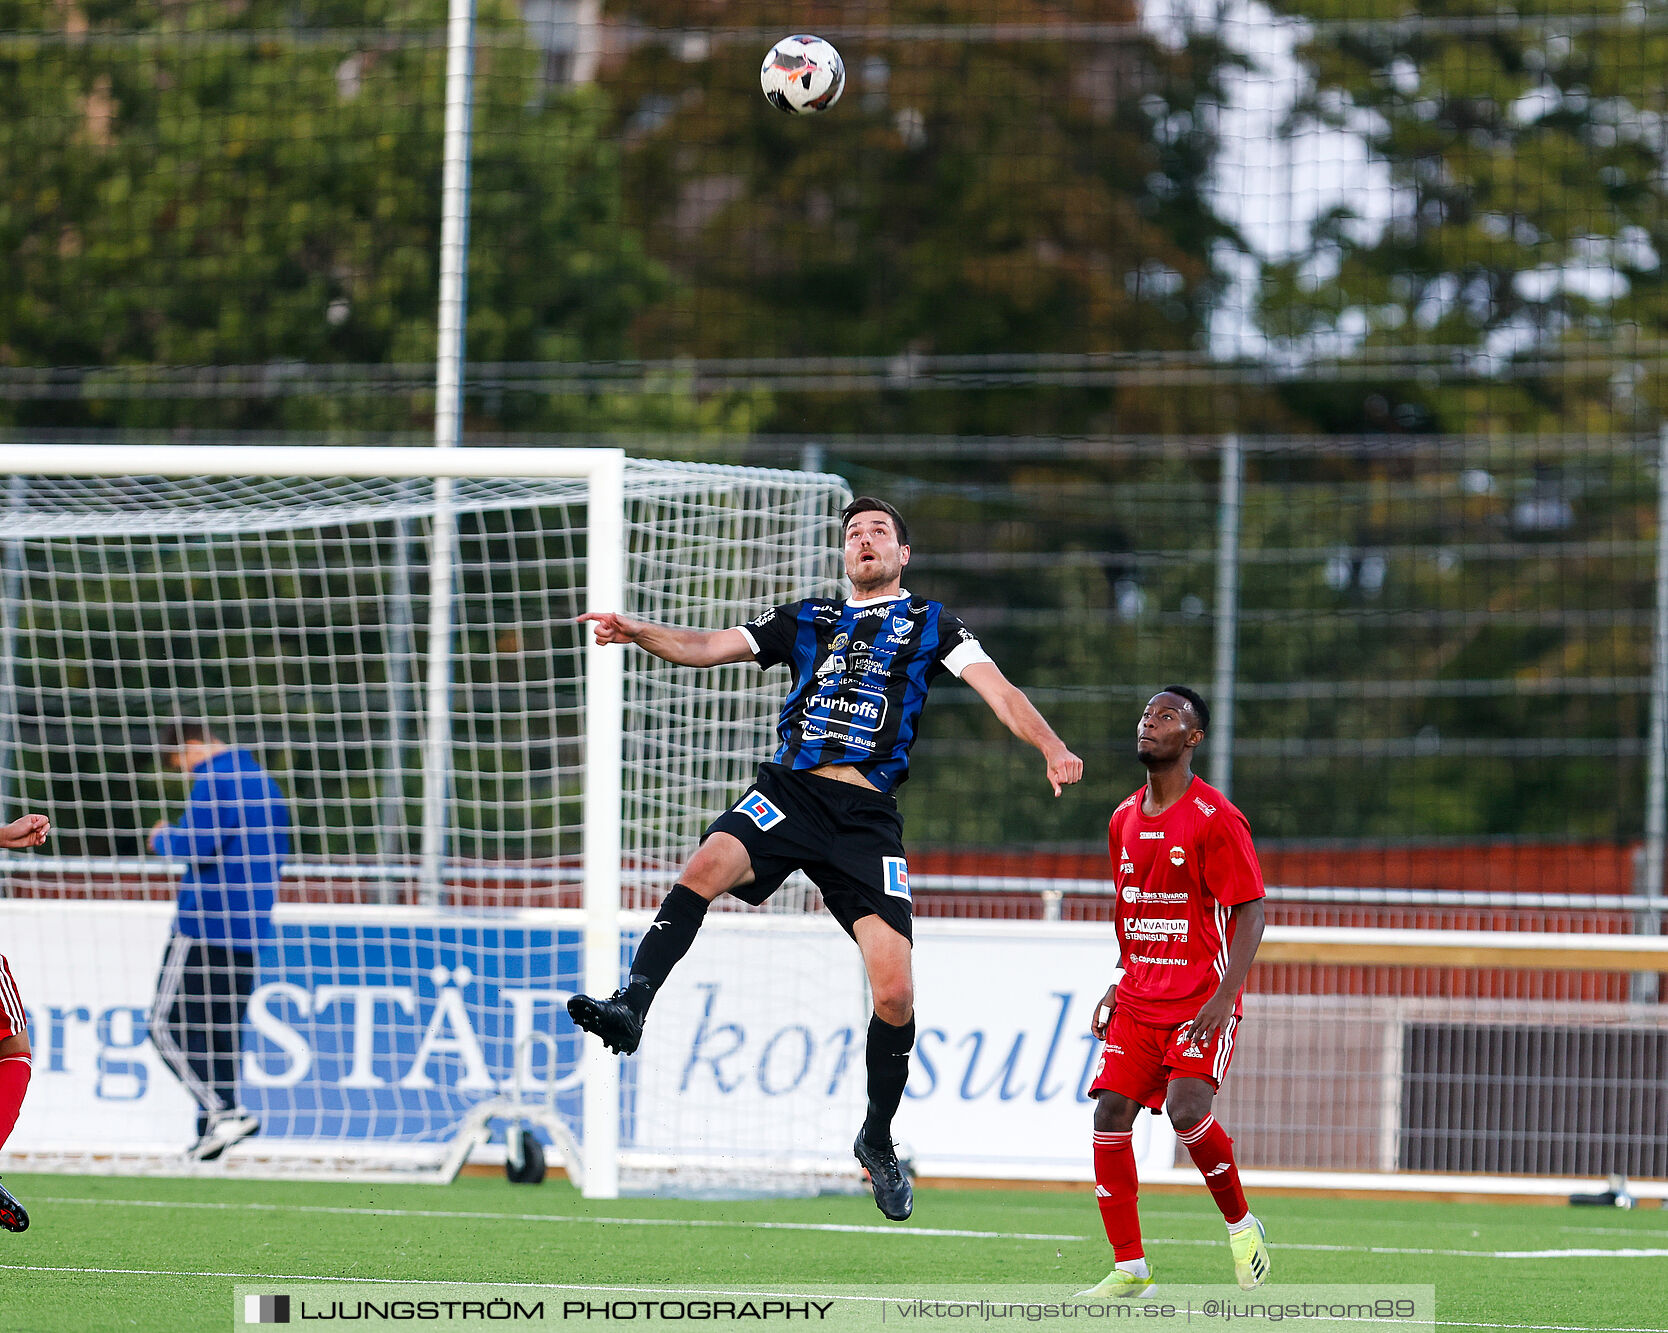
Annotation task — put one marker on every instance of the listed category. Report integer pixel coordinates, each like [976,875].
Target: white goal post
[481,795]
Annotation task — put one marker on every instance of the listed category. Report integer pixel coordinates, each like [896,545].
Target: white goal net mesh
[292,618]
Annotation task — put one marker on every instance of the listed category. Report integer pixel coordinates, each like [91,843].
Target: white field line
[660,1290]
[834,1227]
[1424,1224]
[1612,1231]
[449,1215]
[1277,1245]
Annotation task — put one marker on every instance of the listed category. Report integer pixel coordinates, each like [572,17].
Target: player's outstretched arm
[686,647]
[25,831]
[1020,716]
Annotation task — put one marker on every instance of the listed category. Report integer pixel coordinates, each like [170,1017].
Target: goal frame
[603,471]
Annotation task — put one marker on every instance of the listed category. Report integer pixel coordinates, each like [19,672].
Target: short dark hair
[171,735]
[1201,709]
[867,504]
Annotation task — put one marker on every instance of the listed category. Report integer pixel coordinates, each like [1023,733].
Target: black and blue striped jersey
[861,671]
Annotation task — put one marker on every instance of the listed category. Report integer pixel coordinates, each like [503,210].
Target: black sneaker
[894,1195]
[13,1215]
[615,1021]
[224,1129]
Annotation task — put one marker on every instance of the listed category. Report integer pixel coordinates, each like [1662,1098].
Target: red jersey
[1177,876]
[12,1017]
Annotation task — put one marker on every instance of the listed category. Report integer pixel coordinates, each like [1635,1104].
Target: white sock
[1135,1266]
[1249,1220]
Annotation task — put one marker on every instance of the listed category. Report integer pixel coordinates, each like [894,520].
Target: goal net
[485,807]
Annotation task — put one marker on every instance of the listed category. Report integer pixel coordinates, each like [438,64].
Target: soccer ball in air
[802,75]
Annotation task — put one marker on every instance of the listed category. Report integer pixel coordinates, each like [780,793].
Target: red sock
[14,1082]
[1213,1153]
[1115,1192]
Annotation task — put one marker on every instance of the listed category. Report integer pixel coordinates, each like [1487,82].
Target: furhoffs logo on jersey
[1177,856]
[1208,809]
[859,710]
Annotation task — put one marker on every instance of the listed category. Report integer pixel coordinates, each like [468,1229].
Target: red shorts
[1139,1061]
[11,1004]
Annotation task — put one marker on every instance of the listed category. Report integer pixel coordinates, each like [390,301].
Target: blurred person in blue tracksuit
[234,838]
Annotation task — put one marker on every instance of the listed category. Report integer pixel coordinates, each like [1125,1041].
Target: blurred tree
[1433,639]
[201,184]
[975,192]
[1527,219]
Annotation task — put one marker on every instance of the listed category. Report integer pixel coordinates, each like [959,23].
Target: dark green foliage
[246,191]
[1434,641]
[964,198]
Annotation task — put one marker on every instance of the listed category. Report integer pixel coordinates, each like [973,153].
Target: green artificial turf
[108,1253]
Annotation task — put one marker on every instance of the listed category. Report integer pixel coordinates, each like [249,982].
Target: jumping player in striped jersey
[15,1060]
[861,669]
[1190,917]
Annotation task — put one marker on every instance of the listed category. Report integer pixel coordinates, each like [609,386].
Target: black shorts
[848,839]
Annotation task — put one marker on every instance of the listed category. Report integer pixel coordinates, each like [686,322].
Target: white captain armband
[965,654]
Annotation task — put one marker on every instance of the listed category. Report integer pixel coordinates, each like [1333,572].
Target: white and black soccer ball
[802,75]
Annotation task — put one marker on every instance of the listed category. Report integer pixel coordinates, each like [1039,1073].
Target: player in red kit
[1190,917]
[15,1062]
